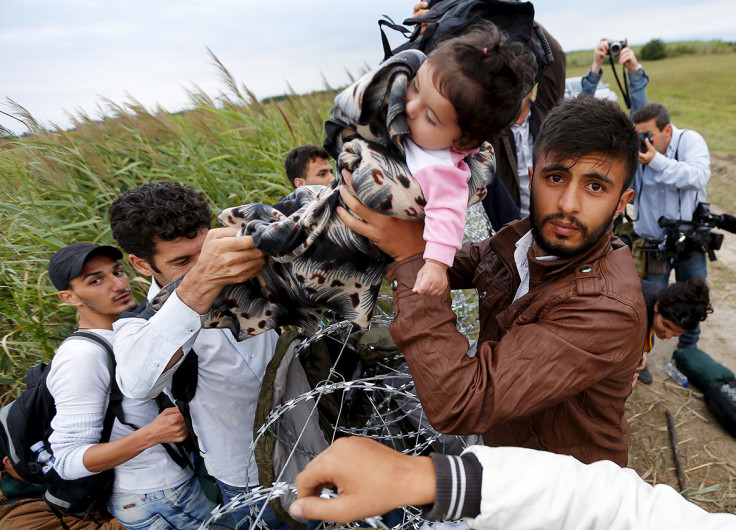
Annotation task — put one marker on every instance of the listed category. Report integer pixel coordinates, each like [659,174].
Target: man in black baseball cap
[68,262]
[81,272]
[91,278]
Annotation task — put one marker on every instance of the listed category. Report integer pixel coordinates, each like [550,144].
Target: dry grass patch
[707,451]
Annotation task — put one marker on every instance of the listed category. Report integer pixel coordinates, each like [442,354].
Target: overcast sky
[60,56]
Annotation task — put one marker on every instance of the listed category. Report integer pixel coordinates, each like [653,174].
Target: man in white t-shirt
[165,229]
[150,488]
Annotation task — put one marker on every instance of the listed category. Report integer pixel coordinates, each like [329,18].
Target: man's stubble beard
[564,251]
[96,308]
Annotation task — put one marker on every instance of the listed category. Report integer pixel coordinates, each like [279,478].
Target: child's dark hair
[685,304]
[485,76]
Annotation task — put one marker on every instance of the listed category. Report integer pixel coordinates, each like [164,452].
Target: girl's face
[431,116]
[664,328]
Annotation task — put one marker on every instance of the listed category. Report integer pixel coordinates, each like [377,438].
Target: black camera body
[645,136]
[684,237]
[615,47]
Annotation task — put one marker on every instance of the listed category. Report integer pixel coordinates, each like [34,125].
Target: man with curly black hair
[165,229]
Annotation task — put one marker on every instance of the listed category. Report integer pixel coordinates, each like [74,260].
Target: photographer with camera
[637,77]
[670,182]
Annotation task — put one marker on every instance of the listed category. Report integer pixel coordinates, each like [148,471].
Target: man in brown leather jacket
[563,320]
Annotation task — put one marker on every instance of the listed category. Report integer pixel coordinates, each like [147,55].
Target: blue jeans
[241,519]
[695,267]
[178,508]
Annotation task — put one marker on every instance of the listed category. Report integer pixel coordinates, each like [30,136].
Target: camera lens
[615,47]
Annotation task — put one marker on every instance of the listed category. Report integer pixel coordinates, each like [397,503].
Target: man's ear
[299,182]
[141,265]
[8,468]
[656,306]
[531,174]
[624,200]
[67,296]
[668,132]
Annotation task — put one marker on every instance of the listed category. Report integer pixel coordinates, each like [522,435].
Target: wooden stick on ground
[676,453]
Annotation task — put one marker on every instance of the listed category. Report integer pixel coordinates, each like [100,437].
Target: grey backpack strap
[115,408]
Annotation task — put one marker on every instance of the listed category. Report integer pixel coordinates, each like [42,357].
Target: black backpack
[451,18]
[715,380]
[27,420]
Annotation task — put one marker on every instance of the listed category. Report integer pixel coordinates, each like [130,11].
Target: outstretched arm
[224,260]
[519,488]
[589,83]
[638,78]
[168,427]
[149,345]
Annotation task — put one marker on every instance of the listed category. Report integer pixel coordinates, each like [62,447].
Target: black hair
[587,125]
[297,161]
[157,210]
[652,111]
[485,76]
[685,304]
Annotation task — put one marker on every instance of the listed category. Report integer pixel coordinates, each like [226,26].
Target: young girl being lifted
[411,133]
[466,90]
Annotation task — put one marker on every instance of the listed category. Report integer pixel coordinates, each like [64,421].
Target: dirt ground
[707,451]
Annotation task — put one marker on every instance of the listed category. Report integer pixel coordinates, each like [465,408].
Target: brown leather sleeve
[466,260]
[424,329]
[536,365]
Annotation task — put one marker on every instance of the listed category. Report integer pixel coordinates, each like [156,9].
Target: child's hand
[432,279]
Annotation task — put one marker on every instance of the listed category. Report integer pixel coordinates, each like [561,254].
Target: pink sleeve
[445,189]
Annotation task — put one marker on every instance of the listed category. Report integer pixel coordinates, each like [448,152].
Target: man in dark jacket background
[513,146]
[562,318]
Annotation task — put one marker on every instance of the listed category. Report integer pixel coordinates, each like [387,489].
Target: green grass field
[698,90]
[56,186]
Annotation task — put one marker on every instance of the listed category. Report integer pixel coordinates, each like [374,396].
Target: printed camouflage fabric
[315,264]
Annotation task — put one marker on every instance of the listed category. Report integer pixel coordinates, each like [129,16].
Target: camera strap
[679,197]
[625,88]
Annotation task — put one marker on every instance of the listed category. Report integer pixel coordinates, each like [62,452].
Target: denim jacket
[638,82]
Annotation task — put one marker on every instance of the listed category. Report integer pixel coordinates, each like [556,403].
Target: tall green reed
[56,187]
